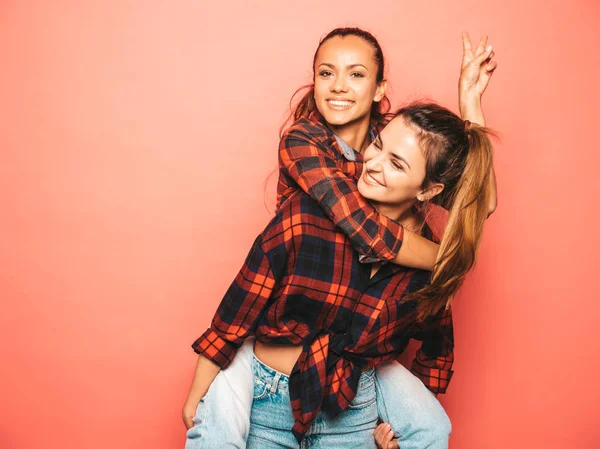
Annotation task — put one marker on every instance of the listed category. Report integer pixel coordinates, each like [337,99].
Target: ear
[430,192]
[380,92]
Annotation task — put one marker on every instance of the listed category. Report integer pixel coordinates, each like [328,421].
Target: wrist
[196,393]
[469,104]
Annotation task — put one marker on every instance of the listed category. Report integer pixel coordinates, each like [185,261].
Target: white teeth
[340,103]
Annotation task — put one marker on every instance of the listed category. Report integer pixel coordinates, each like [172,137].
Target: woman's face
[394,168]
[346,80]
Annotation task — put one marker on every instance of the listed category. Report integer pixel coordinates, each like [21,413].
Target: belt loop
[275,383]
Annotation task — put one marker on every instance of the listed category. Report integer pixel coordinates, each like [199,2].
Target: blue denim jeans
[271,418]
[415,414]
[223,416]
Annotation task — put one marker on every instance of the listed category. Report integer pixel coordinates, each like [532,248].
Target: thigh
[223,415]
[412,410]
[239,376]
[353,427]
[271,419]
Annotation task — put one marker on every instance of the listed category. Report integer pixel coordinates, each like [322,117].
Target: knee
[437,425]
[444,426]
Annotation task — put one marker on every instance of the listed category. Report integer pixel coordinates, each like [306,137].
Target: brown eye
[325,73]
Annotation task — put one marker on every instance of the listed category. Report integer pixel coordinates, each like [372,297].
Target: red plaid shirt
[311,160]
[303,283]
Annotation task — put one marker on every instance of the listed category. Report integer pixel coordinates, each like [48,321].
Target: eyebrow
[379,144]
[351,66]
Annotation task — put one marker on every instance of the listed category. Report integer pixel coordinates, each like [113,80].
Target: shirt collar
[348,152]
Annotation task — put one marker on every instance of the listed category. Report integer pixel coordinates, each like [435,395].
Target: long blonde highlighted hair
[458,155]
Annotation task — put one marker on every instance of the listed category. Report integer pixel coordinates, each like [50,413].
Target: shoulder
[297,217]
[307,129]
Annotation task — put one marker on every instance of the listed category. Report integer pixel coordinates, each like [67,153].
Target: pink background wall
[135,140]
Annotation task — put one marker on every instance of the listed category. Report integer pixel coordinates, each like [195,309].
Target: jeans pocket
[261,389]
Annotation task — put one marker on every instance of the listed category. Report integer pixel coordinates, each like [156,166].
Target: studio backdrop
[136,143]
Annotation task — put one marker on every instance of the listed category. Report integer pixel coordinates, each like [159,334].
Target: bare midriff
[283,357]
[279,357]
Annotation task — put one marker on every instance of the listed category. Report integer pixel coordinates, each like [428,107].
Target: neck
[354,134]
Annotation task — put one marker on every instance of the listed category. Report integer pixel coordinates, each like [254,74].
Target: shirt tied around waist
[326,376]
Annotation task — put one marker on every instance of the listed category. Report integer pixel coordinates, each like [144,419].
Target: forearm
[318,170]
[205,374]
[417,252]
[470,109]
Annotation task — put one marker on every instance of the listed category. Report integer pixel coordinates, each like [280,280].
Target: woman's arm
[236,319]
[315,168]
[238,313]
[417,252]
[471,110]
[205,374]
[476,72]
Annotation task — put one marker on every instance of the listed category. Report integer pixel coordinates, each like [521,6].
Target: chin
[336,119]
[365,191]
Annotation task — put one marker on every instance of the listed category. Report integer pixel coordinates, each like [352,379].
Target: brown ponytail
[459,155]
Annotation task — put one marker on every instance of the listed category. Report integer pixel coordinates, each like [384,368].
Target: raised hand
[477,69]
[477,66]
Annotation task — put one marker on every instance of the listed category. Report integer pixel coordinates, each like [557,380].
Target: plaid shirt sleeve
[433,361]
[316,169]
[240,309]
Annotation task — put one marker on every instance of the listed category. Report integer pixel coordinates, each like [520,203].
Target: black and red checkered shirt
[303,283]
[311,159]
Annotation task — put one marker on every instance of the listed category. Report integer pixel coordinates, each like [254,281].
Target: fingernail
[489,48]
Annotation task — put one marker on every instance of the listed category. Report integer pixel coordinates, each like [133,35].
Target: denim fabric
[271,419]
[412,410]
[223,416]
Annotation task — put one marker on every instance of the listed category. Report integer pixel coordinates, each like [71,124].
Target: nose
[373,161]
[339,85]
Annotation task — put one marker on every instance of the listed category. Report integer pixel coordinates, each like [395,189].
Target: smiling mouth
[371,180]
[340,104]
